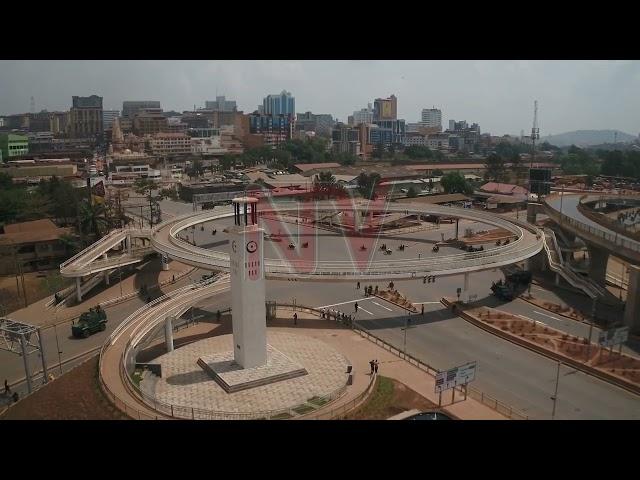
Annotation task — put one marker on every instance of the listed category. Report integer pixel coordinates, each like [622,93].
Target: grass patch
[137,378]
[317,401]
[389,397]
[302,409]
[281,416]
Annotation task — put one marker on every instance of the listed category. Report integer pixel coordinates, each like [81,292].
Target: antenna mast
[535,132]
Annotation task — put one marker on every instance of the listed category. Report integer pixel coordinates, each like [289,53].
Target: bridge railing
[91,247]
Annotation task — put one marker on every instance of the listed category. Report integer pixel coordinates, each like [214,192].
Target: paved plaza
[184,383]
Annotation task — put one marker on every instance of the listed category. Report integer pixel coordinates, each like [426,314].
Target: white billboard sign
[612,337]
[456,376]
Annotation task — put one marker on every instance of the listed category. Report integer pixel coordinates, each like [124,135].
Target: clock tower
[248,285]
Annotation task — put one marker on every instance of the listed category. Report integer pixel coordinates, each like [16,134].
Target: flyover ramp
[165,239]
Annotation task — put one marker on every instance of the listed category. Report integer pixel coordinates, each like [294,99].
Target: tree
[418,151]
[367,184]
[437,172]
[519,169]
[454,182]
[496,169]
[378,150]
[93,218]
[6,181]
[324,183]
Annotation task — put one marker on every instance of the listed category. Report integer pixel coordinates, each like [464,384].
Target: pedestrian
[295,318]
[372,365]
[148,298]
[173,278]
[375,366]
[358,287]
[218,315]
[423,309]
[6,387]
[376,291]
[356,307]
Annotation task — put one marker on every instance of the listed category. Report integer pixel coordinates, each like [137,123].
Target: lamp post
[555,394]
[55,329]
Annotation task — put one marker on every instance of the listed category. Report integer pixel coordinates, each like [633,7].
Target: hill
[582,138]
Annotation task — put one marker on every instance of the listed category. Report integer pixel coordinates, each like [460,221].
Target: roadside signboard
[612,337]
[456,376]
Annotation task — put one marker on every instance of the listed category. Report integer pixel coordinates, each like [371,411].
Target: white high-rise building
[363,116]
[432,117]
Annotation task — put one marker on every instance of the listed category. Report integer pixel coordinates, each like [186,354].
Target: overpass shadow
[432,316]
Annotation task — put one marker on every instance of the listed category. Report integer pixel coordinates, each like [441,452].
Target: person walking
[358,286]
[423,309]
[356,307]
[295,319]
[375,367]
[372,365]
[7,389]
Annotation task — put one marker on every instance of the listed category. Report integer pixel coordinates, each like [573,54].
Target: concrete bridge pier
[78,291]
[128,243]
[598,259]
[106,272]
[632,308]
[168,333]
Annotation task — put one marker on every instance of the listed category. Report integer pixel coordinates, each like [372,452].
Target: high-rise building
[364,115]
[345,139]
[130,108]
[279,104]
[86,117]
[275,129]
[108,116]
[432,117]
[148,121]
[320,123]
[385,108]
[221,105]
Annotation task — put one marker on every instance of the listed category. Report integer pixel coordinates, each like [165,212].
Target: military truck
[502,291]
[95,320]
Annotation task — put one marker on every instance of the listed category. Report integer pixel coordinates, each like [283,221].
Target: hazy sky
[499,95]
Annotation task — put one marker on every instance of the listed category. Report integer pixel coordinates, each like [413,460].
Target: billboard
[612,337]
[456,376]
[387,109]
[540,181]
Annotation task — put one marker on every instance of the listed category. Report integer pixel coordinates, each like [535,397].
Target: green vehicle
[502,291]
[90,322]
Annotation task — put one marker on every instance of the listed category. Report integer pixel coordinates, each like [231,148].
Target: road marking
[425,303]
[382,306]
[530,319]
[343,303]
[540,313]
[360,308]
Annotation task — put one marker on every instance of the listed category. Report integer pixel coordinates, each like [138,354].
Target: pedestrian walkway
[149,274]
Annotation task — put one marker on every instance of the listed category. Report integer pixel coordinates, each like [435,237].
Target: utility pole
[555,394]
[535,132]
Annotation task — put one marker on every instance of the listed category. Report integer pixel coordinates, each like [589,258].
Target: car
[431,415]
[89,322]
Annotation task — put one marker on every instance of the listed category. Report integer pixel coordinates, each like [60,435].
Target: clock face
[234,246]
[252,246]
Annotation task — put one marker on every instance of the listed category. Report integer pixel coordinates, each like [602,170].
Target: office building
[274,129]
[385,108]
[170,144]
[432,117]
[221,105]
[398,131]
[149,121]
[12,145]
[108,116]
[364,115]
[280,104]
[86,117]
[130,108]
[321,124]
[345,139]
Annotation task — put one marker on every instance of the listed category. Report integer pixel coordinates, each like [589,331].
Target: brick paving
[184,383]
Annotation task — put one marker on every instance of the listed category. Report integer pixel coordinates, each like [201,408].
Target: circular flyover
[165,240]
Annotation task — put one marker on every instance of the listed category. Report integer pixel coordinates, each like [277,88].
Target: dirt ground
[74,396]
[38,285]
[390,398]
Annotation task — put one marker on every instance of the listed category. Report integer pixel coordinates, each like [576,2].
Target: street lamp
[555,394]
[55,329]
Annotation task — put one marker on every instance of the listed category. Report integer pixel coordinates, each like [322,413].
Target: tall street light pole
[555,394]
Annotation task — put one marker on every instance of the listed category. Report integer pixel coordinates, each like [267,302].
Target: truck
[95,320]
[502,291]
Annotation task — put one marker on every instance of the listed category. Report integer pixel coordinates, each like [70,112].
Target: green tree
[6,181]
[496,169]
[367,184]
[93,218]
[454,182]
[418,151]
[324,183]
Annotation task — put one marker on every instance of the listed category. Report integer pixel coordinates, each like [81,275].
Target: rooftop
[29,232]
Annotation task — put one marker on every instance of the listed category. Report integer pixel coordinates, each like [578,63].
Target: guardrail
[613,239]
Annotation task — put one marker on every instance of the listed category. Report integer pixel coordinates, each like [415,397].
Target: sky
[496,94]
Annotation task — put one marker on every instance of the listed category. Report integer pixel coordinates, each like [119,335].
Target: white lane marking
[360,308]
[529,319]
[549,316]
[425,303]
[343,303]
[376,303]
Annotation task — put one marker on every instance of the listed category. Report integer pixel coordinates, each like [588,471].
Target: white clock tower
[248,285]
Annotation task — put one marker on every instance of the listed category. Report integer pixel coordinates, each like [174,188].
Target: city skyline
[499,95]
